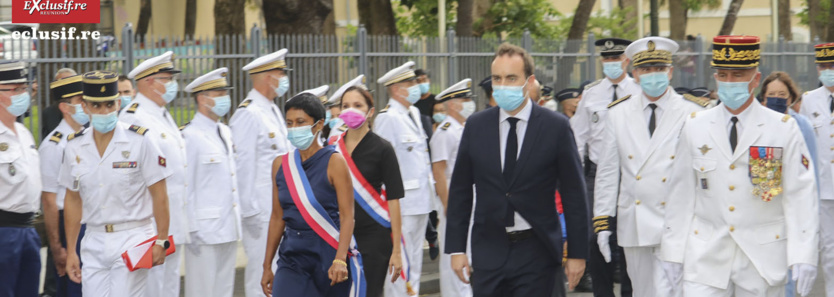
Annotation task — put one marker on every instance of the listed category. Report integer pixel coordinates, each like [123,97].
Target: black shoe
[434,251]
[585,284]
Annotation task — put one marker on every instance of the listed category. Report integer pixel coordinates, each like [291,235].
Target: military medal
[126,154]
[766,171]
[12,170]
[3,146]
[704,149]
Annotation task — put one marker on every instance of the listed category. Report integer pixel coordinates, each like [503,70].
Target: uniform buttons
[638,177]
[832,148]
[664,180]
[672,157]
[637,202]
[211,160]
[832,135]
[663,203]
[234,204]
[777,236]
[696,232]
[233,174]
[732,188]
[234,189]
[702,168]
[630,157]
[732,228]
[732,166]
[185,165]
[832,161]
[732,208]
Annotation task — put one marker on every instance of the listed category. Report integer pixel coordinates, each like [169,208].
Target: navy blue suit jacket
[548,157]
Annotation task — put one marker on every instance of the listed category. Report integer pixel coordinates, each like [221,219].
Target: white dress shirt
[20,182]
[662,104]
[51,153]
[742,117]
[523,117]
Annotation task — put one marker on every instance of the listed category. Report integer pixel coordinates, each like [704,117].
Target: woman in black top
[375,159]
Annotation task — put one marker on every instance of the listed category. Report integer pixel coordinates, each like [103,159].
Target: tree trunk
[829,26]
[144,19]
[813,24]
[464,25]
[330,24]
[296,16]
[479,11]
[730,19]
[677,19]
[190,17]
[785,19]
[377,16]
[227,20]
[631,14]
[575,36]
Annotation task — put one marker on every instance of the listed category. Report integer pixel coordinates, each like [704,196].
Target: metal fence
[333,60]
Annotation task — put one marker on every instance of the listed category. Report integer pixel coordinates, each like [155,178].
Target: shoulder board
[385,109]
[446,126]
[618,101]
[139,130]
[184,125]
[76,134]
[56,137]
[133,107]
[697,100]
[343,128]
[786,118]
[593,84]
[245,103]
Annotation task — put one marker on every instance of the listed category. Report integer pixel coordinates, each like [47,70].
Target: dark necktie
[614,98]
[831,106]
[225,147]
[510,155]
[733,134]
[652,119]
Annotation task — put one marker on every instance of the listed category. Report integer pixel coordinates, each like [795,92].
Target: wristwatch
[164,243]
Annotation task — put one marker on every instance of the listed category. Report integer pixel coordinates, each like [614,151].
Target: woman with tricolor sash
[372,163]
[311,226]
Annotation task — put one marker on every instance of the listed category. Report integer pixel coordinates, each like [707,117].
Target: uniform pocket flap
[411,184]
[9,156]
[771,232]
[208,213]
[213,158]
[703,165]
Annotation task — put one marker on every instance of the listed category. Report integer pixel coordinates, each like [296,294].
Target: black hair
[420,72]
[123,78]
[309,103]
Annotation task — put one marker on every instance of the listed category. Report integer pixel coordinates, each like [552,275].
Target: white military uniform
[588,122]
[117,206]
[816,107]
[632,181]
[730,239]
[51,155]
[19,170]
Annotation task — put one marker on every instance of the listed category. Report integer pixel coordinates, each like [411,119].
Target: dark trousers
[431,231]
[376,246]
[20,262]
[65,287]
[529,271]
[302,267]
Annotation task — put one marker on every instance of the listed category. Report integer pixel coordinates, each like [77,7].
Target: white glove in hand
[804,275]
[674,272]
[604,245]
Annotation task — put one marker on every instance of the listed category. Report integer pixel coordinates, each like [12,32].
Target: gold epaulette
[446,126]
[618,101]
[786,118]
[703,102]
[593,84]
[385,109]
[184,125]
[133,107]
[139,130]
[245,103]
[76,134]
[56,137]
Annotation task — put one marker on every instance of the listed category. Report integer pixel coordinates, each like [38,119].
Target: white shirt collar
[146,102]
[661,103]
[397,106]
[523,115]
[743,116]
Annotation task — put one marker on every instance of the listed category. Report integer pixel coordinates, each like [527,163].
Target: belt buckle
[108,228]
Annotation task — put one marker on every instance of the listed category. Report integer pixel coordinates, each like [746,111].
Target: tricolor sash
[373,202]
[318,219]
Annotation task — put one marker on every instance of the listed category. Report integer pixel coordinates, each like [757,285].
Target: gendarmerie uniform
[51,154]
[738,219]
[163,279]
[444,147]
[632,180]
[817,107]
[401,126]
[20,183]
[116,204]
[212,201]
[260,135]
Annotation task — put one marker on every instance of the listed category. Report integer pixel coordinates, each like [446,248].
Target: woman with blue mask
[116,166]
[311,226]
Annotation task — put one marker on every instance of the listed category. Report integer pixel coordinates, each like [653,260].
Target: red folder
[141,256]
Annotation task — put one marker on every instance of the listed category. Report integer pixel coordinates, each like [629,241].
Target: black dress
[376,160]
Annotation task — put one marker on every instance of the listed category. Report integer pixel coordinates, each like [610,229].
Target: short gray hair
[69,71]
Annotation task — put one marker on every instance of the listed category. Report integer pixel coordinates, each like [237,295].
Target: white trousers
[254,244]
[104,273]
[450,284]
[210,269]
[827,244]
[164,280]
[745,281]
[414,233]
[647,275]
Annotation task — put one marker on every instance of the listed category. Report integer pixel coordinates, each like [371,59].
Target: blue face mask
[734,94]
[508,98]
[413,94]
[222,104]
[334,123]
[612,70]
[20,104]
[424,88]
[79,116]
[327,116]
[301,137]
[171,89]
[654,84]
[125,101]
[438,117]
[104,123]
[283,86]
[827,77]
[777,104]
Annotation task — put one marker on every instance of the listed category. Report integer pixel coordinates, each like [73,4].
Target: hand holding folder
[141,255]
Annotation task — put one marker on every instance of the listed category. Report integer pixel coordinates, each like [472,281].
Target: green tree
[817,10]
[419,17]
[514,16]
[613,24]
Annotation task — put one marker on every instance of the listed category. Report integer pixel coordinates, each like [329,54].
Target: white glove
[674,272]
[804,275]
[604,245]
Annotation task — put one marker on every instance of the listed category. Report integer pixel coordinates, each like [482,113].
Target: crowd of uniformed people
[668,191]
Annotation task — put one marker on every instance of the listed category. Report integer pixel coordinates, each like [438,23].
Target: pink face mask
[353,118]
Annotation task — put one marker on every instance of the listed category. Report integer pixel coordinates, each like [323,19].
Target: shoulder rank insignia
[618,101]
[139,130]
[446,126]
[184,125]
[133,107]
[245,103]
[692,115]
[786,118]
[593,84]
[56,137]
[76,134]
[703,102]
[343,128]
[385,109]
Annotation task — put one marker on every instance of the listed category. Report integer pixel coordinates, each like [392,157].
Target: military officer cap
[359,81]
[682,90]
[66,87]
[547,93]
[735,52]
[214,80]
[399,74]
[268,62]
[612,46]
[651,51]
[700,92]
[320,92]
[100,86]
[569,93]
[486,84]
[462,89]
[159,64]
[824,53]
[13,73]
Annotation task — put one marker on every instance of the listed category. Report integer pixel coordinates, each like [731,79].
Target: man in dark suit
[516,236]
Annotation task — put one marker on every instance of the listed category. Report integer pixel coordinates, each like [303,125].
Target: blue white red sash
[318,219]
